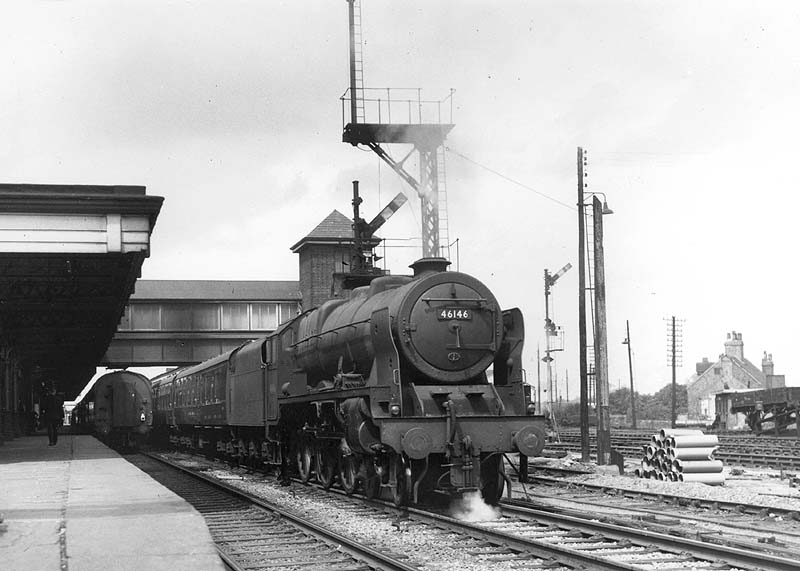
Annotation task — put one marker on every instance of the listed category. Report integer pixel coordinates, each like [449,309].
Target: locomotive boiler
[411,384]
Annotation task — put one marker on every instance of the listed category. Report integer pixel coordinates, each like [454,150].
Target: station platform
[80,506]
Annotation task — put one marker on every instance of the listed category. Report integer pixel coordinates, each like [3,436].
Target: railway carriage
[122,408]
[384,390]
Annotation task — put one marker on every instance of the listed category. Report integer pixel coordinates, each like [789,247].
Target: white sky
[230,110]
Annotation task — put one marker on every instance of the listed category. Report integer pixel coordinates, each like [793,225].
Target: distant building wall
[732,371]
[318,263]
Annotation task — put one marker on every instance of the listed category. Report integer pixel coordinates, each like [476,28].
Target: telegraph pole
[584,393]
[601,338]
[674,381]
[674,348]
[630,371]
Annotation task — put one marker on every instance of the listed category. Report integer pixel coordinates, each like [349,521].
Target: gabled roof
[335,229]
[749,368]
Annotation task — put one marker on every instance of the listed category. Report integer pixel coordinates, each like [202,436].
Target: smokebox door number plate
[458,313]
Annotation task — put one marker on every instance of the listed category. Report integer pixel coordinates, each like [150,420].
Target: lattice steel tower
[371,116]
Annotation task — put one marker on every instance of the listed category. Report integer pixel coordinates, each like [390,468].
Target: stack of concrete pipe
[682,455]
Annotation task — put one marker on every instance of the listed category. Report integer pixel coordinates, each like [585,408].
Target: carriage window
[220,387]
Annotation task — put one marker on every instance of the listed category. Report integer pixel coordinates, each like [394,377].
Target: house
[731,372]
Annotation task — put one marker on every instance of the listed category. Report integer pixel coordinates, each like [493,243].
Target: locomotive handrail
[478,300]
[334,330]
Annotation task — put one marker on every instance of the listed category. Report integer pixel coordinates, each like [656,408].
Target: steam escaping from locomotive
[472,507]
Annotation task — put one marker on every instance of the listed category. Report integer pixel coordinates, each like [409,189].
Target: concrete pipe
[693,441]
[664,432]
[698,466]
[702,453]
[711,479]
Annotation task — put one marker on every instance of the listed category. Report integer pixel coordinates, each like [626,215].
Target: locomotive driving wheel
[305,455]
[348,473]
[326,465]
[492,478]
[399,480]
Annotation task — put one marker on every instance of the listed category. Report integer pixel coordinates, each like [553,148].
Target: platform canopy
[69,258]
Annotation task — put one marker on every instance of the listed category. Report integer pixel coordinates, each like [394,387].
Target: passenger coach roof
[191,370]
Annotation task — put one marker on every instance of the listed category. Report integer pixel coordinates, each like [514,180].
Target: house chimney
[734,347]
[701,368]
[767,366]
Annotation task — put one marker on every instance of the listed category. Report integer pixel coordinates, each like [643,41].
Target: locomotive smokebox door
[452,327]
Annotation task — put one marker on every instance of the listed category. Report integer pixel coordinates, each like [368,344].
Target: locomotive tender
[387,389]
[122,408]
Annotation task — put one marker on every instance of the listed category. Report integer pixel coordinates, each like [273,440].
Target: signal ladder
[444,233]
[358,61]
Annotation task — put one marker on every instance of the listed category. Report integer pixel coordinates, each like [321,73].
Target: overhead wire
[509,179]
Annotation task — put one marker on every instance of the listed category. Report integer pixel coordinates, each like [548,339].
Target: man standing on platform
[52,413]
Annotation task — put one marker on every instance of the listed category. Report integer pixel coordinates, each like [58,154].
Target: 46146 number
[448,313]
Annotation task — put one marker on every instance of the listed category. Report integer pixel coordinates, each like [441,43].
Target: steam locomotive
[385,390]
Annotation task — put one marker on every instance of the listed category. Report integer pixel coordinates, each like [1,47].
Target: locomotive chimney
[429,265]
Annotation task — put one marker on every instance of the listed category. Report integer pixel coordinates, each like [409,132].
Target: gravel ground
[438,550]
[764,487]
[428,547]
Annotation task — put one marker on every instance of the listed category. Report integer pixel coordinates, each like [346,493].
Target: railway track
[253,535]
[640,547]
[763,452]
[675,500]
[524,536]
